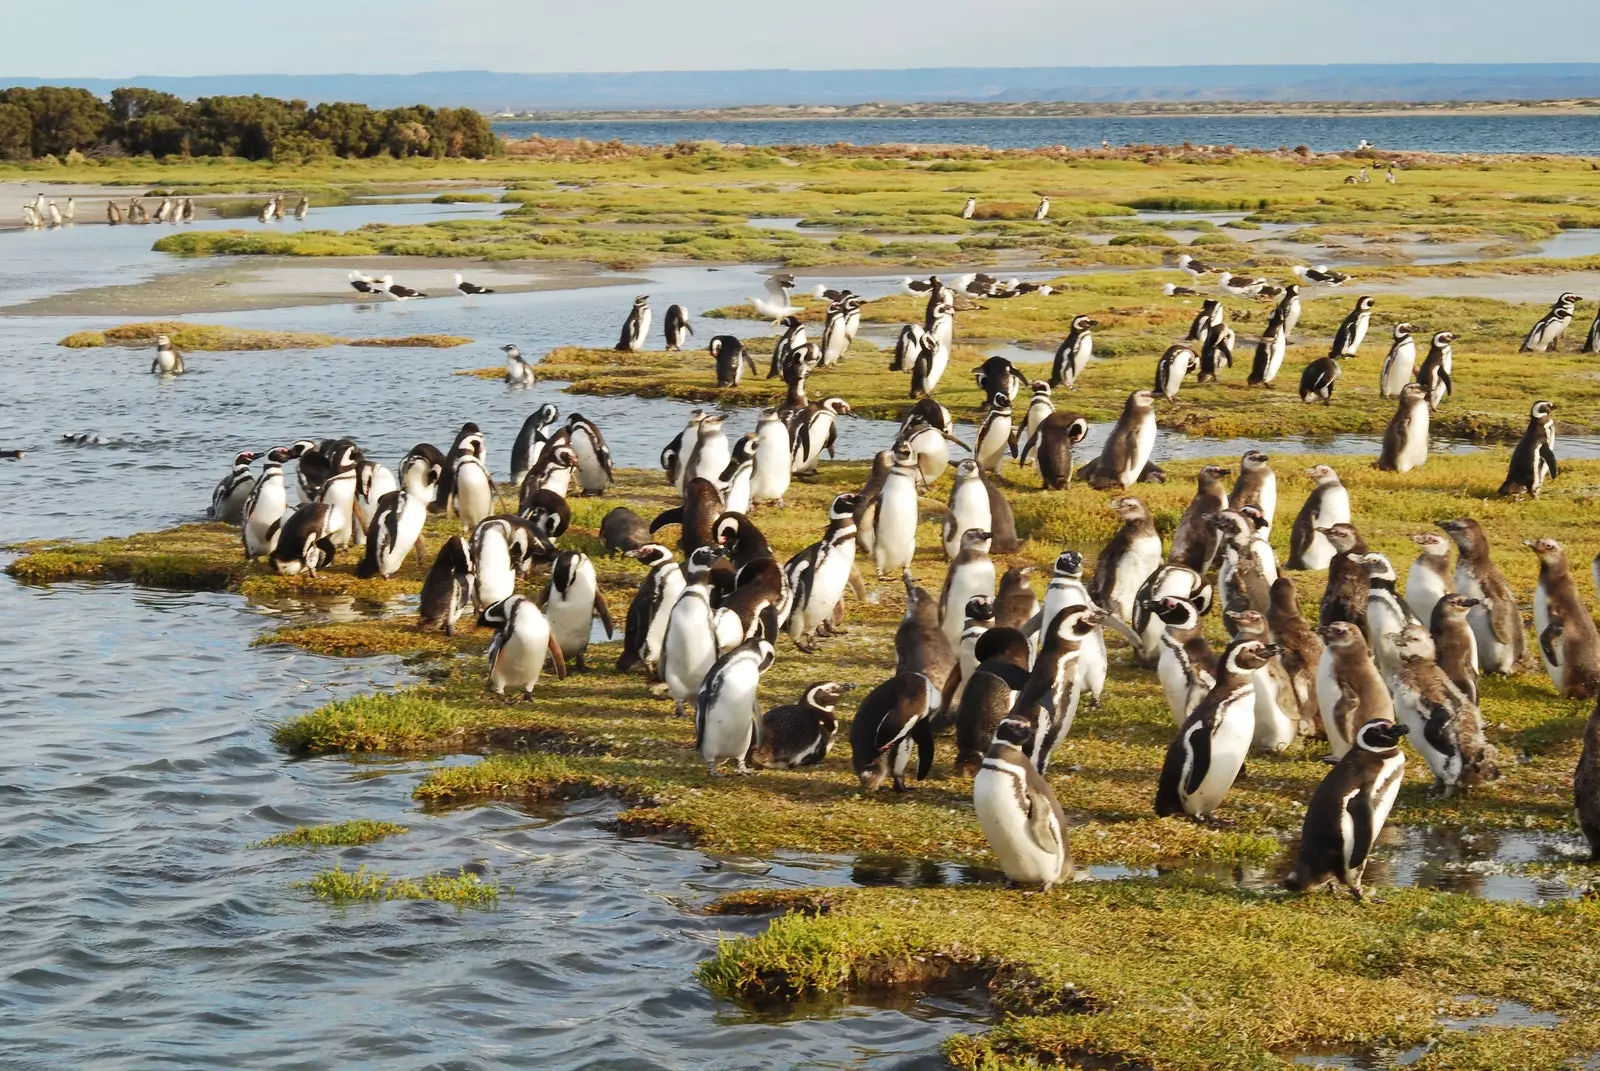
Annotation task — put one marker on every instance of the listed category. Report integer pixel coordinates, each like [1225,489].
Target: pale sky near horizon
[95,39]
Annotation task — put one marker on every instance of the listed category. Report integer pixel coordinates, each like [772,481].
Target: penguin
[1040,406]
[773,460]
[264,508]
[732,359]
[791,339]
[1216,351]
[727,718]
[501,549]
[1172,368]
[977,617]
[339,489]
[1405,441]
[968,508]
[1591,344]
[1257,485]
[818,574]
[552,470]
[971,574]
[696,633]
[1193,539]
[1178,581]
[893,718]
[1287,312]
[1348,809]
[735,478]
[1434,375]
[1569,644]
[519,373]
[1268,360]
[167,361]
[233,490]
[1586,786]
[1240,576]
[522,643]
[1387,613]
[397,521]
[571,601]
[814,431]
[1074,353]
[1260,544]
[1187,666]
[594,456]
[305,542]
[1302,651]
[1043,211]
[1496,621]
[702,505]
[1534,460]
[800,734]
[1400,364]
[675,452]
[1205,758]
[447,590]
[472,490]
[1002,522]
[969,208]
[373,481]
[834,338]
[1446,727]
[1328,504]
[920,644]
[1211,313]
[1277,710]
[1066,588]
[1345,597]
[530,440]
[636,328]
[1545,335]
[928,430]
[1014,602]
[1125,457]
[906,346]
[646,623]
[999,376]
[1353,331]
[990,690]
[1127,560]
[1349,691]
[675,326]
[1019,813]
[1051,443]
[623,531]
[894,523]
[1318,379]
[996,436]
[933,357]
[1048,701]
[1455,648]
[708,455]
[1429,578]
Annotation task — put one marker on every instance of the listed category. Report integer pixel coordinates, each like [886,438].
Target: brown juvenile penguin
[1586,785]
[1568,640]
[1455,649]
[1302,650]
[1192,541]
[1015,602]
[1496,621]
[1349,691]
[920,645]
[1345,598]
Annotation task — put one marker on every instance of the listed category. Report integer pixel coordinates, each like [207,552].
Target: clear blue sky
[96,38]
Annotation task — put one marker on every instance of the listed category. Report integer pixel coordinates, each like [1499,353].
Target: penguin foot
[711,770]
[742,769]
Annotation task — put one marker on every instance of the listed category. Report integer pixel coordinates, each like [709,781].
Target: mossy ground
[463,889]
[335,835]
[209,337]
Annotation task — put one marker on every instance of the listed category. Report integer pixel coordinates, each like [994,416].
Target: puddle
[1577,242]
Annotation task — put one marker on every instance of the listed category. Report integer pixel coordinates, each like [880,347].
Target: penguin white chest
[267,510]
[690,645]
[1414,444]
[571,615]
[1385,618]
[710,459]
[1496,657]
[1274,730]
[933,454]
[339,492]
[969,508]
[557,478]
[671,589]
[1144,444]
[591,472]
[827,586]
[1235,727]
[473,498]
[493,577]
[1328,697]
[1425,586]
[993,444]
[770,479]
[999,796]
[1133,569]
[1182,682]
[736,499]
[1333,507]
[1541,621]
[725,716]
[519,660]
[894,541]
[411,514]
[967,582]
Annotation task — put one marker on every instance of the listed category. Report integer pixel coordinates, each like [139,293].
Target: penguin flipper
[1547,643]
[1359,808]
[948,696]
[673,515]
[1013,675]
[1549,456]
[559,659]
[1449,384]
[748,360]
[857,586]
[1437,730]
[1042,827]
[1198,738]
[922,736]
[603,612]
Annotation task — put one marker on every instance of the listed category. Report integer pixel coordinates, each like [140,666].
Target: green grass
[209,337]
[343,887]
[334,835]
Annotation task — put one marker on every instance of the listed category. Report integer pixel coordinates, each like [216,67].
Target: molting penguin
[970,575]
[1455,648]
[732,359]
[1327,505]
[1205,758]
[1429,578]
[969,506]
[1348,810]
[1387,614]
[1256,486]
[801,733]
[1399,364]
[893,718]
[305,540]
[167,361]
[1345,597]
[1051,443]
[1302,651]
[1405,441]
[1353,331]
[727,718]
[447,591]
[1175,364]
[233,490]
[1586,785]
[521,644]
[1496,621]
[817,575]
[1349,690]
[1192,539]
[1019,813]
[920,645]
[1127,560]
[1002,522]
[636,328]
[646,623]
[702,505]
[1278,720]
[265,506]
[1074,353]
[594,456]
[676,327]
[1534,460]
[1446,727]
[1434,375]
[1568,641]
[1125,457]
[571,601]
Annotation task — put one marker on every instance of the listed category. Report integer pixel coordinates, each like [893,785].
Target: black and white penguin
[1353,331]
[1268,361]
[997,375]
[1405,440]
[1074,353]
[1534,460]
[519,373]
[969,208]
[1211,313]
[676,327]
[968,508]
[1019,813]
[895,515]
[1287,312]
[1125,457]
[1193,540]
[167,361]
[1048,702]
[1387,613]
[305,540]
[398,519]
[1216,351]
[1040,406]
[1043,211]
[727,718]
[1429,578]
[472,489]
[1434,374]
[636,328]
[906,346]
[530,440]
[835,338]
[800,733]
[708,455]
[815,430]
[1591,344]
[623,531]
[1205,758]
[1129,557]
[1242,575]
[894,718]
[732,359]
[677,451]
[1328,504]
[594,456]
[646,623]
[233,490]
[1568,641]
[447,590]
[1455,649]
[773,460]
[501,550]
[697,633]
[522,644]
[264,507]
[996,438]
[340,488]
[1348,809]
[571,601]
[1171,370]
[1348,686]
[929,431]
[932,358]
[1318,378]
[1400,363]
[1051,443]
[1496,621]
[970,574]
[1186,666]
[988,692]
[1545,334]
[818,574]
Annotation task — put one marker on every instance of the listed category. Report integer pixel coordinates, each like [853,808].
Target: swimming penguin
[447,591]
[996,435]
[1534,460]
[893,718]
[1019,813]
[1496,621]
[1316,382]
[594,456]
[1205,758]
[1327,505]
[1349,690]
[1127,560]
[1301,654]
[701,506]
[970,574]
[501,549]
[1193,540]
[571,601]
[1434,375]
[968,508]
[1568,641]
[398,519]
[817,575]
[1257,485]
[1277,709]
[1048,702]
[1074,353]
[1400,364]
[472,490]
[696,633]
[265,506]
[1405,440]
[1353,331]
[1270,349]
[676,327]
[646,623]
[1125,457]
[1545,335]
[305,542]
[233,490]
[521,645]
[167,361]
[1287,312]
[1345,597]
[519,373]
[339,489]
[1387,613]
[894,521]
[1186,666]
[1040,406]
[1455,648]
[1446,727]
[1347,811]
[636,328]
[801,733]
[1216,351]
[1051,443]
[1429,578]
[727,719]
[816,429]
[1172,368]
[731,358]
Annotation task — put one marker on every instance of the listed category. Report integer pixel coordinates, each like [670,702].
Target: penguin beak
[1272,650]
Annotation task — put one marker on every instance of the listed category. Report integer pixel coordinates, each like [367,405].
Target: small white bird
[773,310]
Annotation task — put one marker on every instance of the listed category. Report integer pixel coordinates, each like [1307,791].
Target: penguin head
[904,455]
[844,506]
[1444,338]
[1083,323]
[727,529]
[1323,475]
[1171,610]
[1069,563]
[1041,389]
[565,570]
[1464,530]
[1365,304]
[279,455]
[1247,623]
[976,539]
[1378,566]
[1343,536]
[1379,735]
[500,614]
[1414,643]
[244,457]
[1254,461]
[651,554]
[301,447]
[1541,410]
[1129,508]
[824,695]
[1548,551]
[163,342]
[1076,622]
[966,469]
[1342,634]
[1402,331]
[1015,732]
[980,608]
[1246,656]
[765,653]
[508,349]
[1456,605]
[1568,298]
[1234,527]
[1413,394]
[836,406]
[1141,400]
[1212,475]
[700,560]
[641,301]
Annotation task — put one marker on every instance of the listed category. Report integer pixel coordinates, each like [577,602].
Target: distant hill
[491,91]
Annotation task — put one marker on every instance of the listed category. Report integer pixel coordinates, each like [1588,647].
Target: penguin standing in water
[1348,810]
[1348,686]
[1568,641]
[1454,647]
[1353,331]
[1534,460]
[530,440]
[636,328]
[1051,443]
[1434,375]
[996,436]
[521,645]
[1048,702]
[676,327]
[1446,727]
[1496,621]
[167,361]
[1268,361]
[265,506]
[1171,370]
[968,509]
[594,456]
[1400,364]
[1074,353]
[447,591]
[233,490]
[1127,560]
[571,601]
[970,575]
[732,358]
[893,718]
[1405,440]
[519,373]
[1125,457]
[646,623]
[1205,758]
[727,714]
[802,733]
[1429,578]
[1318,379]
[1019,813]
[1327,505]
[305,541]
[817,575]
[1192,539]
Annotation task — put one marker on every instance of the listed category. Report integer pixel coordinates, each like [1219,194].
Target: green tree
[244,126]
[63,118]
[463,132]
[149,121]
[352,130]
[16,132]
